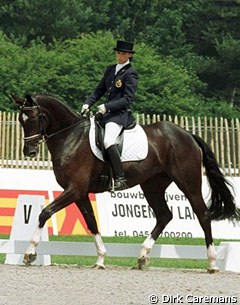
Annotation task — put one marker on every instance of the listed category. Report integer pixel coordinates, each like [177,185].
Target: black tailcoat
[120,89]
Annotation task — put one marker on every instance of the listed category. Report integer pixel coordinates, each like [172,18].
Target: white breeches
[112,131]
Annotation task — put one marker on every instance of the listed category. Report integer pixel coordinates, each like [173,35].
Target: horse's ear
[29,99]
[17,99]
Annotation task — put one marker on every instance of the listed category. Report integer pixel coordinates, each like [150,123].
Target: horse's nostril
[30,151]
[32,154]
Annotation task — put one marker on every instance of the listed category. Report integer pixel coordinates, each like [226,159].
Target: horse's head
[33,122]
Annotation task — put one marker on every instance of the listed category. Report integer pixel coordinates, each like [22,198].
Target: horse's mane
[51,101]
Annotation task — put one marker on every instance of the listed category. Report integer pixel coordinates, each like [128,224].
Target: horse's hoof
[143,261]
[29,258]
[99,267]
[212,270]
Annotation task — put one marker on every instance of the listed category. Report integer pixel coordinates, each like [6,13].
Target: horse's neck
[66,143]
[59,115]
[60,119]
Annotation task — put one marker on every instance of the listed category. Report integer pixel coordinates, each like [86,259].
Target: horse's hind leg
[190,185]
[86,209]
[200,209]
[154,191]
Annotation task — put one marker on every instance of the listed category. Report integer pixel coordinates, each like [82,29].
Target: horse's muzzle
[30,150]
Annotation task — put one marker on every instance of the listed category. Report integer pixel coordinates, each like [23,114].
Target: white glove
[85,108]
[102,109]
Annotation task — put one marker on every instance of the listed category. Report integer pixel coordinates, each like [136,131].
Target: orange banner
[70,220]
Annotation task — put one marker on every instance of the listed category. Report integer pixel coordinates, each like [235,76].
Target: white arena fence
[113,249]
[227,253]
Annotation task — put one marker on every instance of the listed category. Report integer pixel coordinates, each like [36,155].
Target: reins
[42,134]
[47,137]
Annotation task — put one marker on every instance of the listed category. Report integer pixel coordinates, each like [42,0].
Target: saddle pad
[135,144]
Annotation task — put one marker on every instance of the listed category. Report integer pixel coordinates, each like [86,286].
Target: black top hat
[124,46]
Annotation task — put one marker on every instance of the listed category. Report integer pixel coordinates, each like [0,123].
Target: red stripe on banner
[5,229]
[92,197]
[56,194]
[72,215]
[7,212]
[15,193]
[50,230]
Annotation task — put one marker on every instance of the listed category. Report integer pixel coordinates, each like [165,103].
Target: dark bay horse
[174,155]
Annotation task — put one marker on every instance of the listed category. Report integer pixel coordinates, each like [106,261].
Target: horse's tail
[222,205]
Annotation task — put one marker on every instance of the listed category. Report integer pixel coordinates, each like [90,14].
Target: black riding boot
[117,168]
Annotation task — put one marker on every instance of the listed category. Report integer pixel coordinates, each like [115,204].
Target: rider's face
[122,57]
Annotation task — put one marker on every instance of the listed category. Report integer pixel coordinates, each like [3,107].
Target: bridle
[42,135]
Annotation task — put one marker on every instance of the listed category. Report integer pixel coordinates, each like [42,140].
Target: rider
[120,83]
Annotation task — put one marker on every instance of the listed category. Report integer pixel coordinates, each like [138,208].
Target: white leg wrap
[101,250]
[147,246]
[212,256]
[34,241]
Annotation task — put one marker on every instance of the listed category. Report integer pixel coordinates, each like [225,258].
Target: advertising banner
[127,213]
[15,182]
[24,225]
[124,213]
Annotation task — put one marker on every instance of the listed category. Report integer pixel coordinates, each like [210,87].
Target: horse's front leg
[101,251]
[86,209]
[67,197]
[31,254]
